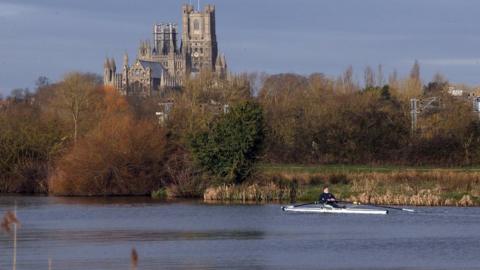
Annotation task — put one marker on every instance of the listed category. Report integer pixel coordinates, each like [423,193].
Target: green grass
[309,194]
[455,195]
[338,168]
[160,193]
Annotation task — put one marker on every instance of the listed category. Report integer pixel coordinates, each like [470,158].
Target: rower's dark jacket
[327,198]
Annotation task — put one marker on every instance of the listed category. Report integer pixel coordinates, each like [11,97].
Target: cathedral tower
[109,71]
[165,38]
[199,40]
[164,64]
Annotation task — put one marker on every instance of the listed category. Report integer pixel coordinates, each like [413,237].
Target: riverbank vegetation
[431,187]
[229,139]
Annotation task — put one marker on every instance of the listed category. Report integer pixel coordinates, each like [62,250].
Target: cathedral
[165,64]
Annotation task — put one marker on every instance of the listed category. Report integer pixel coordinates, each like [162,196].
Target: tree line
[77,137]
[318,120]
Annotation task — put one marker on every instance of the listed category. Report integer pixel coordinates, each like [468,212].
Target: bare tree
[42,81]
[413,85]
[415,71]
[347,80]
[439,78]
[369,77]
[380,77]
[393,78]
[74,97]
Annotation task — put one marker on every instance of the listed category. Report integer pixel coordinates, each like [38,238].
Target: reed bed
[423,188]
[245,193]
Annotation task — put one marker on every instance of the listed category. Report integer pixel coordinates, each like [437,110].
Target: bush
[229,150]
[27,146]
[160,194]
[119,157]
[182,180]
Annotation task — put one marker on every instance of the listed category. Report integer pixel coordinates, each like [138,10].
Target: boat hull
[322,210]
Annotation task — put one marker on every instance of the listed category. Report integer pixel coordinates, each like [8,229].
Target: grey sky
[53,37]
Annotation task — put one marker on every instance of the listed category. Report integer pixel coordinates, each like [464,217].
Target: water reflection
[9,201]
[121,200]
[102,236]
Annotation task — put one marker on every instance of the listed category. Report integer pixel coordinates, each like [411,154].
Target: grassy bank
[336,168]
[366,184]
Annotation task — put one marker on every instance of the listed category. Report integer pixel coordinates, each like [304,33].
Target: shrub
[160,193]
[182,180]
[119,157]
[229,150]
[27,145]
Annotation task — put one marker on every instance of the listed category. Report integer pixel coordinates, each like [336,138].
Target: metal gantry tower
[422,106]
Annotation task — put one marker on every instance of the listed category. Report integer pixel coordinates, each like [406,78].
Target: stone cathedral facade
[167,62]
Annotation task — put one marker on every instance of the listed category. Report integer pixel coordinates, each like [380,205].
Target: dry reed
[244,193]
[134,259]
[426,188]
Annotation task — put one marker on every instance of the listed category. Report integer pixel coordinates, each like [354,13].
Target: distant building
[455,92]
[476,104]
[165,64]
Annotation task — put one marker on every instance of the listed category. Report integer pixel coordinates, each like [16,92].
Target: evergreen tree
[231,147]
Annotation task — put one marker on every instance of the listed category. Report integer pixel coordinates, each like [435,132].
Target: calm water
[99,234]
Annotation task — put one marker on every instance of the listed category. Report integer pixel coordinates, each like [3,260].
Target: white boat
[329,209]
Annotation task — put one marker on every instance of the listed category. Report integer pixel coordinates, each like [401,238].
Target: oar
[383,206]
[396,208]
[297,205]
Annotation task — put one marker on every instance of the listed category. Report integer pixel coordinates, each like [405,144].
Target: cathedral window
[196,25]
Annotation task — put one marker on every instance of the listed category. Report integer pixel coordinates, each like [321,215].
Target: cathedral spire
[172,55]
[224,62]
[125,59]
[113,66]
[106,65]
[218,63]
[172,43]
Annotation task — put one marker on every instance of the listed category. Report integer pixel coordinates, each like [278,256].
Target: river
[100,234]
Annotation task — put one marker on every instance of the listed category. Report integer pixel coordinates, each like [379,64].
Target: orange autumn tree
[120,156]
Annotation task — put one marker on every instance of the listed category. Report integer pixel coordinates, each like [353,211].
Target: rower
[327,198]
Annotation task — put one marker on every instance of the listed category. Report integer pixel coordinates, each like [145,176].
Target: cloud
[13,10]
[451,62]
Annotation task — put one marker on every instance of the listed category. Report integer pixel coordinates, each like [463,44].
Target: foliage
[56,131]
[75,101]
[182,179]
[315,123]
[160,193]
[200,100]
[120,156]
[231,147]
[27,145]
